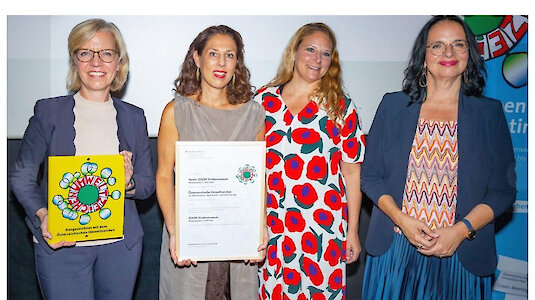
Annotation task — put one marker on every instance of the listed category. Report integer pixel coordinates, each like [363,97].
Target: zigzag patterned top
[431,188]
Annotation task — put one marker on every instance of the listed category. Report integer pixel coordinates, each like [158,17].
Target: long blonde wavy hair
[329,92]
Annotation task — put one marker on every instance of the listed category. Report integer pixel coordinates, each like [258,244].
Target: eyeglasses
[86,55]
[438,48]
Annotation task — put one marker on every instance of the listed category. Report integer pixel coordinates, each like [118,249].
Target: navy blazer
[485,173]
[50,132]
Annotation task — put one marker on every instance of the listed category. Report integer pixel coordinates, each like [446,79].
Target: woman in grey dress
[212,103]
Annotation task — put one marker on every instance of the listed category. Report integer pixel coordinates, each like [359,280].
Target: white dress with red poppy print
[306,204]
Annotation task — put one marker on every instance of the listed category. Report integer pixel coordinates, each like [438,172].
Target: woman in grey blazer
[62,126]
[439,168]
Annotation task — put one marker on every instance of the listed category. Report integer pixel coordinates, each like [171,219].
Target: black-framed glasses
[86,55]
[438,48]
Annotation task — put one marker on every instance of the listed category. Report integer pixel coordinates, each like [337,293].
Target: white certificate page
[220,194]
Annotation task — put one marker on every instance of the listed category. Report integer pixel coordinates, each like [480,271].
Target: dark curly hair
[187,84]
[475,68]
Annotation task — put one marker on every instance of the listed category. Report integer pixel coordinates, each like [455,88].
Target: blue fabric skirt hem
[403,273]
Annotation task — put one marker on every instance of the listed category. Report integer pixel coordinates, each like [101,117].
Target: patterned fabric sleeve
[352,137]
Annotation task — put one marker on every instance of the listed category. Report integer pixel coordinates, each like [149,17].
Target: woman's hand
[43,216]
[448,241]
[261,248]
[353,247]
[172,251]
[416,231]
[128,167]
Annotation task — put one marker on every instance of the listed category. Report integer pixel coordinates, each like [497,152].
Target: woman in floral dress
[315,147]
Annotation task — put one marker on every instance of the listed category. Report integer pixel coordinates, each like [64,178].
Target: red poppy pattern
[272,201]
[272,158]
[310,242]
[306,204]
[293,166]
[333,253]
[335,279]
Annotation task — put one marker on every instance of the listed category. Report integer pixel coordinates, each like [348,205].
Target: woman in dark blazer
[439,168]
[60,127]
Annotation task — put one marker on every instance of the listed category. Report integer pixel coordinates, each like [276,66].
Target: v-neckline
[288,109]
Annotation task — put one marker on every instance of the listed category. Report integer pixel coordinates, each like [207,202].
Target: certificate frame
[220,199]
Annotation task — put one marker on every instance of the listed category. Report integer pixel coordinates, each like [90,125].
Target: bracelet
[471,232]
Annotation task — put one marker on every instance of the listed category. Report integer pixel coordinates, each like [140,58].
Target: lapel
[469,149]
[406,122]
[124,126]
[63,135]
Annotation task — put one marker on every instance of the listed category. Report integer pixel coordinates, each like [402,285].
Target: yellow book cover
[85,197]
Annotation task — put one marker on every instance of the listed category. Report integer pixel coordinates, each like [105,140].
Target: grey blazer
[485,173]
[50,132]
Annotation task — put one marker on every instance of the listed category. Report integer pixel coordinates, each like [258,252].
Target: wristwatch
[132,185]
[471,232]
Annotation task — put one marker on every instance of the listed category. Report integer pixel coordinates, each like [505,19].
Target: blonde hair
[330,91]
[82,33]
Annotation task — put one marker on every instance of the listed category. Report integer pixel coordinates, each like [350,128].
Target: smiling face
[449,65]
[97,76]
[313,57]
[217,61]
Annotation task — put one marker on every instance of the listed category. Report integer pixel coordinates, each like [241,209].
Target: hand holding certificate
[219,200]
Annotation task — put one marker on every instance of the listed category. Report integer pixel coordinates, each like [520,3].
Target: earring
[422,82]
[465,76]
[233,78]
[198,73]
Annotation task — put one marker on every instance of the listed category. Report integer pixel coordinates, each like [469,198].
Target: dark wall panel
[22,282]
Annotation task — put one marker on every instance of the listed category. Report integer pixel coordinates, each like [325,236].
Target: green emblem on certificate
[246,174]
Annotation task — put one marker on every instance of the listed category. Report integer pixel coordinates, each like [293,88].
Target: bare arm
[351,173]
[165,189]
[261,135]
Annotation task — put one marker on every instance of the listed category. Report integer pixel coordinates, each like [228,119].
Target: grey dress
[197,122]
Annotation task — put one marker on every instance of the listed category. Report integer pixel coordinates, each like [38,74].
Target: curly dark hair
[187,84]
[475,68]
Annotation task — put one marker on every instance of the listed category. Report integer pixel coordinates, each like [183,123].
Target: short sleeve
[352,137]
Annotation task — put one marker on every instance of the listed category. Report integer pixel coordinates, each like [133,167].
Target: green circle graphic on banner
[88,194]
[483,24]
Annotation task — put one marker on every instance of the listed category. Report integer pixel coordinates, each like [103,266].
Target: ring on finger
[420,247]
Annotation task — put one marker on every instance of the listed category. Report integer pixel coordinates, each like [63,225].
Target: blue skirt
[403,273]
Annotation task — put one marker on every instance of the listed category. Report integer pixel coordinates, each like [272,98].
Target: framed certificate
[220,199]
